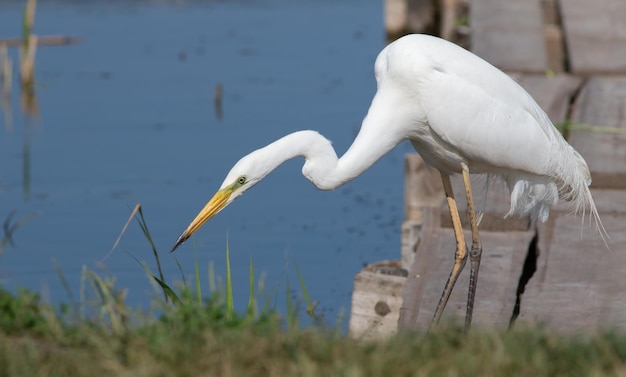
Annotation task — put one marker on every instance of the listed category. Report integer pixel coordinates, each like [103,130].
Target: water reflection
[6,73]
[10,226]
[28,96]
[217,101]
[29,107]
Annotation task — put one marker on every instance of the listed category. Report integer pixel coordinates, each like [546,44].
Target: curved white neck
[380,132]
[322,167]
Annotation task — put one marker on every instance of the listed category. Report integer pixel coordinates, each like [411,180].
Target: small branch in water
[51,40]
[217,101]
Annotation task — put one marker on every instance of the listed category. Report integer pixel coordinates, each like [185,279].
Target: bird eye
[241,180]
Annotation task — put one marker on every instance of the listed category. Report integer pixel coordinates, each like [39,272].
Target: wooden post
[376,301]
[422,187]
[396,16]
[408,16]
[417,276]
[555,48]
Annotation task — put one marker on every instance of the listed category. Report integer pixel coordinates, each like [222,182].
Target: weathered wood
[421,16]
[493,207]
[579,285]
[404,16]
[448,17]
[422,188]
[509,34]
[554,48]
[602,103]
[502,262]
[595,33]
[396,16]
[419,269]
[553,94]
[553,36]
[550,12]
[376,301]
[409,238]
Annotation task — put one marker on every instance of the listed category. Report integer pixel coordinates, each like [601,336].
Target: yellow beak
[217,202]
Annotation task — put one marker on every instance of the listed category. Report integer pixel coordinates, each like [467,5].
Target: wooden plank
[553,94]
[492,201]
[579,285]
[421,16]
[554,48]
[396,16]
[553,35]
[602,103]
[409,239]
[595,33]
[550,12]
[403,16]
[419,269]
[502,263]
[422,187]
[509,34]
[448,18]
[376,301]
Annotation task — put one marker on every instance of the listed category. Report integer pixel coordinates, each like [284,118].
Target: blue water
[127,116]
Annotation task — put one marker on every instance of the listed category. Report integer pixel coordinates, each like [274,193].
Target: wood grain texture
[595,35]
[579,285]
[602,104]
[509,34]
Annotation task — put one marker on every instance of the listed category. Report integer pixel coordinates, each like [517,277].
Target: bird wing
[489,119]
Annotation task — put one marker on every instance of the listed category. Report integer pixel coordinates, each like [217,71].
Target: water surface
[127,116]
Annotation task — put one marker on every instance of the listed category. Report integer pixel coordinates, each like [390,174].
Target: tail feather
[532,195]
[568,179]
[573,180]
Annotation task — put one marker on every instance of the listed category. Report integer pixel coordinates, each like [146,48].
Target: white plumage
[461,114]
[466,110]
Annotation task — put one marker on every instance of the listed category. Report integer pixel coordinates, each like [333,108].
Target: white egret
[462,115]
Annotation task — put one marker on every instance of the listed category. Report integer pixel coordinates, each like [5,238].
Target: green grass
[195,334]
[198,340]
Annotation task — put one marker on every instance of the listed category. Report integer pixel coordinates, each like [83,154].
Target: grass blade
[310,305]
[137,210]
[198,286]
[180,269]
[292,319]
[66,287]
[211,278]
[230,307]
[119,237]
[169,292]
[251,301]
[146,232]
[110,302]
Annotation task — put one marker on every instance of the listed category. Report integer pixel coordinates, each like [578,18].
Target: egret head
[246,173]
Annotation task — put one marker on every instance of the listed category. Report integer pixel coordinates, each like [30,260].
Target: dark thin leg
[476,250]
[460,256]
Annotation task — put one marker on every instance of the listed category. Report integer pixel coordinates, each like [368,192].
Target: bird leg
[476,250]
[460,256]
